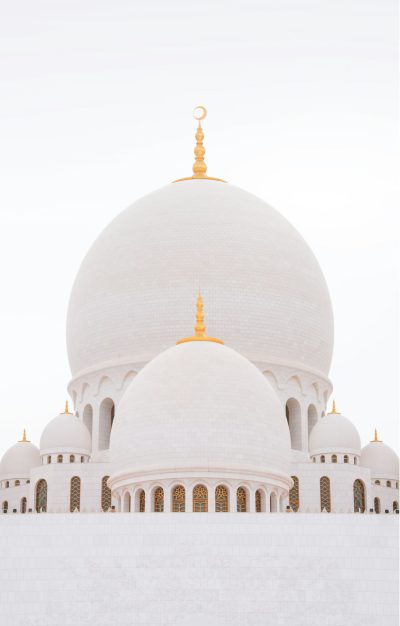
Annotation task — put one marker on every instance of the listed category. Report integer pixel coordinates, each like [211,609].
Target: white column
[267,497]
[232,500]
[167,499]
[211,498]
[251,506]
[95,425]
[148,500]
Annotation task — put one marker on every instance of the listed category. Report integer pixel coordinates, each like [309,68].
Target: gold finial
[199,166]
[375,439]
[199,329]
[66,407]
[24,439]
[333,411]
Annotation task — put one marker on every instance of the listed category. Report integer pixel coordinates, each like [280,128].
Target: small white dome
[65,433]
[201,407]
[18,461]
[334,433]
[381,459]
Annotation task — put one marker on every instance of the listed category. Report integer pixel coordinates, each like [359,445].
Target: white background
[95,104]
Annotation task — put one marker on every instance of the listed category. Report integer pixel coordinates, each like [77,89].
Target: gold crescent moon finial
[199,113]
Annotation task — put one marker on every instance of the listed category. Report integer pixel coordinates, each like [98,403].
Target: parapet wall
[191,570]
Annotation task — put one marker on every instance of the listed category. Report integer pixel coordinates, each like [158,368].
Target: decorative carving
[105,494]
[359,496]
[325,493]
[41,496]
[241,500]
[294,494]
[75,494]
[159,500]
[200,499]
[221,499]
[178,499]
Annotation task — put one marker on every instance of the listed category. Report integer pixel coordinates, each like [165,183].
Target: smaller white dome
[65,433]
[381,460]
[334,433]
[18,461]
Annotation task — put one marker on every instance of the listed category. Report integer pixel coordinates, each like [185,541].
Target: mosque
[232,417]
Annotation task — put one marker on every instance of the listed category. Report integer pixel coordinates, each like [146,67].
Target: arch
[106,418]
[325,493]
[322,458]
[395,506]
[221,499]
[17,483]
[388,483]
[126,502]
[355,460]
[312,417]
[178,499]
[59,458]
[105,384]
[7,484]
[377,505]
[105,494]
[4,506]
[128,378]
[270,376]
[72,458]
[315,386]
[359,496]
[142,501]
[293,416]
[294,495]
[273,503]
[258,499]
[377,482]
[334,458]
[23,505]
[49,459]
[158,500]
[241,500]
[295,380]
[75,494]
[346,458]
[200,499]
[87,417]
[41,496]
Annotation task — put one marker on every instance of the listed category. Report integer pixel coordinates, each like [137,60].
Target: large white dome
[65,433]
[265,293]
[334,433]
[201,407]
[19,460]
[381,459]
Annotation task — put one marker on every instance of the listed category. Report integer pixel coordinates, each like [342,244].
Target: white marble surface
[213,569]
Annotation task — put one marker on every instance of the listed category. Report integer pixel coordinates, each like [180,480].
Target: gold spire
[24,439]
[199,166]
[375,439]
[66,407]
[333,411]
[199,329]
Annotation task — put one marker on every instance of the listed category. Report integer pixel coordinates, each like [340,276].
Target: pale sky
[95,111]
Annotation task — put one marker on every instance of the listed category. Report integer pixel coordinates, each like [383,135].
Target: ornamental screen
[258,501]
[294,496]
[200,499]
[105,494]
[241,500]
[325,493]
[41,496]
[221,499]
[159,500]
[178,499]
[359,496]
[75,494]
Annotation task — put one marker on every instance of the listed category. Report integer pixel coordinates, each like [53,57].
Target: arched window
[325,493]
[312,416]
[395,506]
[17,483]
[200,499]
[377,505]
[273,503]
[23,505]
[377,482]
[7,483]
[72,458]
[359,496]
[75,494]
[142,501]
[4,506]
[106,418]
[241,500]
[322,458]
[87,417]
[126,502]
[258,501]
[105,494]
[293,416]
[178,499]
[355,460]
[388,483]
[346,458]
[334,458]
[60,458]
[294,495]
[49,460]
[314,460]
[221,499]
[41,496]
[159,500]
[82,459]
